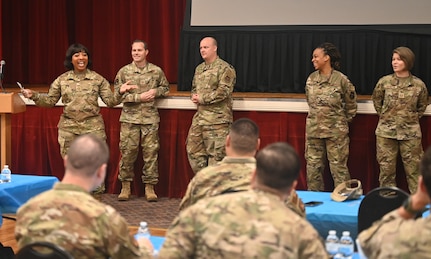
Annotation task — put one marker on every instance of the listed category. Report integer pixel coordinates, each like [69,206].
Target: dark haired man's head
[141,41]
[277,166]
[243,137]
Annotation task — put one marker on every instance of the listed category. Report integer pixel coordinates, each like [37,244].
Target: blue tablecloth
[339,216]
[21,189]
[157,242]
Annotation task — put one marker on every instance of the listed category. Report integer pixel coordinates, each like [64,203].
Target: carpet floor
[158,214]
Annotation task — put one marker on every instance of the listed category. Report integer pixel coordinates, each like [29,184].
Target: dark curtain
[35,149]
[37,33]
[278,60]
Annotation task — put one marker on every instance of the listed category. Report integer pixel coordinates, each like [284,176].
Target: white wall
[309,12]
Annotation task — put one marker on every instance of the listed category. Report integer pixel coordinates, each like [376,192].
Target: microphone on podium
[2,65]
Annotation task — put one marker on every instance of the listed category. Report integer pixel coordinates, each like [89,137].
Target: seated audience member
[233,173]
[70,217]
[398,234]
[250,224]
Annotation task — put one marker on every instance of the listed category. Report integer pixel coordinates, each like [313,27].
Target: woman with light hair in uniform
[400,100]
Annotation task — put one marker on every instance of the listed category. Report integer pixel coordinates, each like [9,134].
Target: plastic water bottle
[346,247]
[143,231]
[6,174]
[360,252]
[331,243]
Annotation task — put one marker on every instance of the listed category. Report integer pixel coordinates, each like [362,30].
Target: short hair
[244,136]
[333,53]
[141,41]
[406,55]
[277,166]
[72,50]
[86,154]
[425,169]
[213,39]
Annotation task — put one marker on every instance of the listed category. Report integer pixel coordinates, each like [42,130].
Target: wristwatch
[407,205]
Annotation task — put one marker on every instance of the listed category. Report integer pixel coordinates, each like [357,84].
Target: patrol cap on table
[348,190]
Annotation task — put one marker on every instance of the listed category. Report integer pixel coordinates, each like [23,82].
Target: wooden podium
[9,103]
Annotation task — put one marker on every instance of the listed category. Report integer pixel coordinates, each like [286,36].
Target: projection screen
[309,12]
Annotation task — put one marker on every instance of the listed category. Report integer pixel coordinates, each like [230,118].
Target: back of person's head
[425,168]
[86,155]
[244,136]
[277,166]
[72,50]
[406,55]
[332,51]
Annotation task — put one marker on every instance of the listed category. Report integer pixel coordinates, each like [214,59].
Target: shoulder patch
[227,79]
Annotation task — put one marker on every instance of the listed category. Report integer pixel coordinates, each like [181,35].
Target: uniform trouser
[206,145]
[336,149]
[411,152]
[65,138]
[130,137]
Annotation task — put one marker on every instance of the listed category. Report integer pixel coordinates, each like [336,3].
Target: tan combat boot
[149,193]
[125,191]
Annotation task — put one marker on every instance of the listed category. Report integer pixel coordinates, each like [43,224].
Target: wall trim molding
[246,104]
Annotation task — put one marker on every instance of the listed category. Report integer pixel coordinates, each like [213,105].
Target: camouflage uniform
[400,103]
[214,84]
[69,217]
[395,237]
[248,224]
[232,174]
[332,105]
[140,120]
[81,113]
